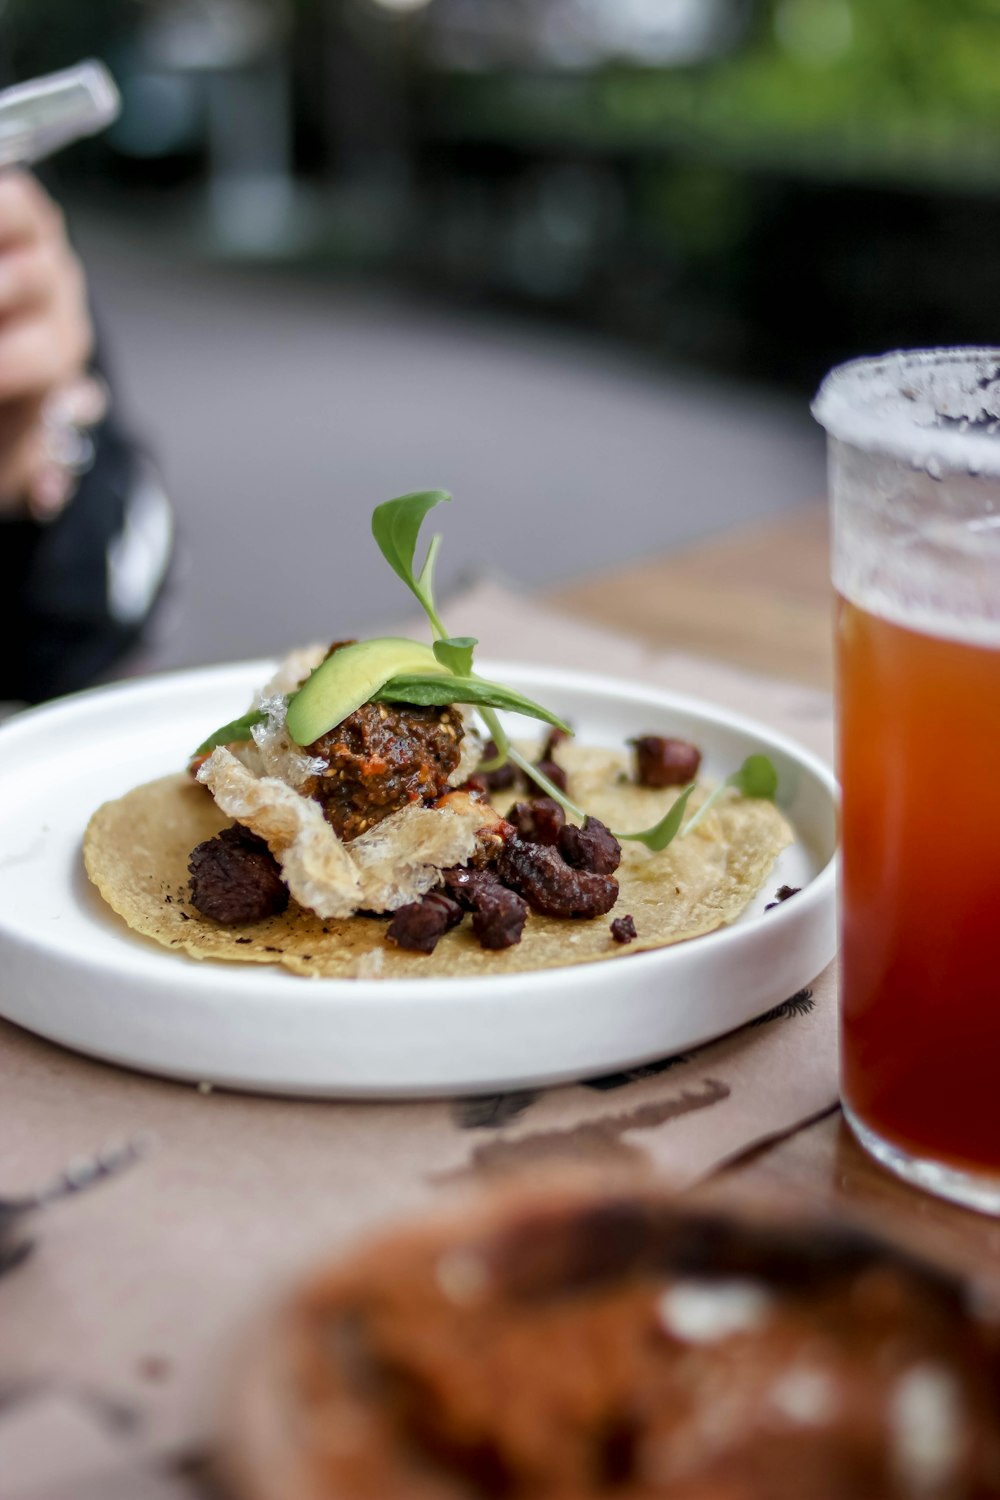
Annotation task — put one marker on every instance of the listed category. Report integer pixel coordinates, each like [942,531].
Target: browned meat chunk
[555,739]
[382,757]
[235,878]
[498,914]
[623,930]
[539,821]
[420,925]
[592,847]
[660,761]
[553,887]
[548,768]
[464,883]
[499,918]
[503,778]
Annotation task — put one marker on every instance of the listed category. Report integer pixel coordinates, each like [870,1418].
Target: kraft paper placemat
[136,1294]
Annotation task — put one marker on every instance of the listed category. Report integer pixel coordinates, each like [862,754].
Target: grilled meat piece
[623,930]
[592,847]
[551,886]
[540,821]
[235,878]
[661,761]
[420,925]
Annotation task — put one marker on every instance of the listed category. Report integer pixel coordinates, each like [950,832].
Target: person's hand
[46,340]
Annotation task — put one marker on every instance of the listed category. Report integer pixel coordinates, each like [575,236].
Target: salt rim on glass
[935,409]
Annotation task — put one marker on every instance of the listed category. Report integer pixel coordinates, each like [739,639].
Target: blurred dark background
[582,261]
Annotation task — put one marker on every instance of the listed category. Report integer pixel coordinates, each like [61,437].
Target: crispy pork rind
[315,865]
[402,857]
[394,862]
[137,850]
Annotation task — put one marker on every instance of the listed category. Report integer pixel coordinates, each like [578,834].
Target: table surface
[761,597]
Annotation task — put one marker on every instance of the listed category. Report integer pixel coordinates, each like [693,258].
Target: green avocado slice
[350,677]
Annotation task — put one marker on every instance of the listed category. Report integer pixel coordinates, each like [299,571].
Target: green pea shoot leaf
[455,653]
[476,691]
[396,527]
[666,830]
[232,733]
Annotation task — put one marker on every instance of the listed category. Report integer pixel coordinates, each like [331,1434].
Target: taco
[353,823]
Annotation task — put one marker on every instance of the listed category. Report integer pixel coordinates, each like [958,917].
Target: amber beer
[920,966]
[915,487]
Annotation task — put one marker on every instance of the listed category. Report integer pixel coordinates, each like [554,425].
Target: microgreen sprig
[231,733]
[756,777]
[396,526]
[477,691]
[455,653]
[396,529]
[655,838]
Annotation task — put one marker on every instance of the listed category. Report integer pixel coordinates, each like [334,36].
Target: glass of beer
[914,458]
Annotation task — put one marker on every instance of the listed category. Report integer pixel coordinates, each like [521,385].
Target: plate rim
[204,973]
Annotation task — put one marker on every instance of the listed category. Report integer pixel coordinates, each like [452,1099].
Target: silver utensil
[42,116]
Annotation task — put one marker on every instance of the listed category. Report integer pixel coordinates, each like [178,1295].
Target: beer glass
[914,463]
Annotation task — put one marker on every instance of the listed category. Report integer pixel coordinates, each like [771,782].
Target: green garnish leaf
[232,733]
[655,838]
[477,691]
[756,777]
[666,830]
[500,739]
[425,578]
[455,653]
[396,526]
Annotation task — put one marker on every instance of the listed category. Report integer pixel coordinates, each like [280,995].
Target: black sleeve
[76,593]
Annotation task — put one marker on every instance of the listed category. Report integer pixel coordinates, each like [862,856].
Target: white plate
[71,971]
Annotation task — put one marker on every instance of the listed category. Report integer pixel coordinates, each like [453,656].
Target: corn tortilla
[137,849]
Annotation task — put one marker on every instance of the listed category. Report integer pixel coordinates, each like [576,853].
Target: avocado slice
[349,678]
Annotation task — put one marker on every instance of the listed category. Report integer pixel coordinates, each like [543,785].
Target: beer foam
[936,409]
[922,616]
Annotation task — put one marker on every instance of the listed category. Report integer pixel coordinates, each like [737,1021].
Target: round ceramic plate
[70,970]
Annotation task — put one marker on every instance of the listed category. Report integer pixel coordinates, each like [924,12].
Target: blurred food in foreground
[561,1342]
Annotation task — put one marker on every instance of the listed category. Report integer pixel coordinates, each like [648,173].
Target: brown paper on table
[137,1292]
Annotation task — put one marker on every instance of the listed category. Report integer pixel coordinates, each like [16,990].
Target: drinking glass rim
[862,402]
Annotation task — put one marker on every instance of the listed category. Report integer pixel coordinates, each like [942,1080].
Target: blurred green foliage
[896,88]
[892,88]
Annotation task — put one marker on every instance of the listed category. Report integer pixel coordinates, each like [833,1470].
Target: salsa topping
[382,757]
